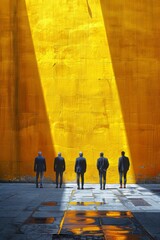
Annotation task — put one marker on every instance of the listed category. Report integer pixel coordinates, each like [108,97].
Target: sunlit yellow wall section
[78,83]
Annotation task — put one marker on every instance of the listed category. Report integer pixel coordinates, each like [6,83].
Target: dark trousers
[39,174]
[59,174]
[102,179]
[123,175]
[80,175]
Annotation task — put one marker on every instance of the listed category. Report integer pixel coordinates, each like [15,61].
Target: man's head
[101,154]
[39,153]
[59,154]
[80,154]
[123,153]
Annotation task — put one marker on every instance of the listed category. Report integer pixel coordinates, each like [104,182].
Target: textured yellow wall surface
[80,75]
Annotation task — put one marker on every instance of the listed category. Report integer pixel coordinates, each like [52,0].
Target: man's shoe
[124,186]
[120,186]
[78,187]
[56,186]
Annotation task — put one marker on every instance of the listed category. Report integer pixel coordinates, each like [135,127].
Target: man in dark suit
[39,168]
[123,167]
[80,169]
[102,166]
[59,168]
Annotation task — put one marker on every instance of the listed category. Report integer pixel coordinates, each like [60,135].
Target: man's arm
[44,165]
[85,165]
[98,164]
[75,165]
[119,164]
[64,165]
[35,165]
[55,163]
[128,163]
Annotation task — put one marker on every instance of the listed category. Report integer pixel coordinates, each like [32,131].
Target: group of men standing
[80,169]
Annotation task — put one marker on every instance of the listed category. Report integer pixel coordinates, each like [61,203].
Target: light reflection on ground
[40,220]
[49,203]
[87,203]
[110,225]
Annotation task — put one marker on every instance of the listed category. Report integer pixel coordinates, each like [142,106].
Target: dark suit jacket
[59,164]
[102,164]
[39,164]
[123,164]
[80,165]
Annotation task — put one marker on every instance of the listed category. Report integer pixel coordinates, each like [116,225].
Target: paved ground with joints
[49,213]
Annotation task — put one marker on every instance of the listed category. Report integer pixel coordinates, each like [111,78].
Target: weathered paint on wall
[132,31]
[79,75]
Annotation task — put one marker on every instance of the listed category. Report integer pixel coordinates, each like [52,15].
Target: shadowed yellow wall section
[72,86]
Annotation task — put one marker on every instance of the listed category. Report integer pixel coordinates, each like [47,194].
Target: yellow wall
[79,75]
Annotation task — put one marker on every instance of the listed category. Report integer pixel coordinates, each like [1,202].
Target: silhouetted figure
[123,167]
[80,169]
[59,168]
[39,168]
[102,165]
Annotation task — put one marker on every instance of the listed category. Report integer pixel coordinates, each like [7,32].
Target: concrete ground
[28,213]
